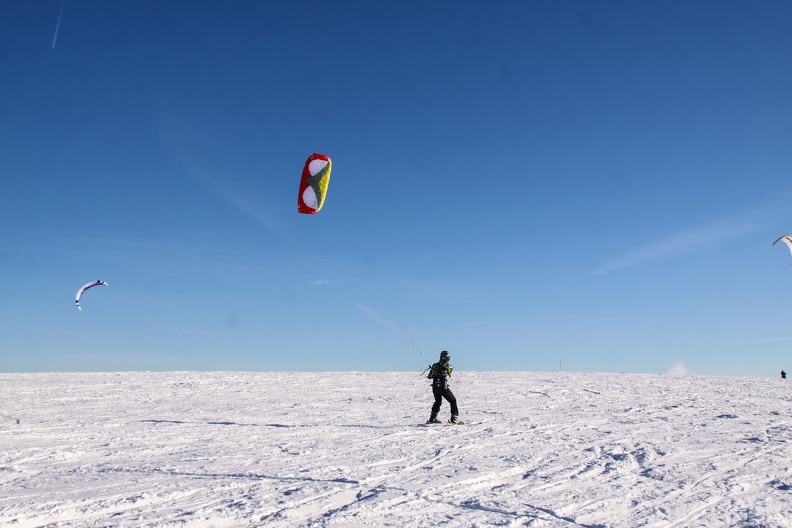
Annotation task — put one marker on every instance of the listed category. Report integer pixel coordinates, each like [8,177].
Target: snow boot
[454,419]
[433,419]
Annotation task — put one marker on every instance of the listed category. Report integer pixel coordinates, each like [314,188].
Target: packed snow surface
[350,449]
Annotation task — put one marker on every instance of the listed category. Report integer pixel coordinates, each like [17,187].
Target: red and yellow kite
[313,184]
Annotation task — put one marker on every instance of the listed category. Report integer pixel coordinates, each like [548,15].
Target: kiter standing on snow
[439,374]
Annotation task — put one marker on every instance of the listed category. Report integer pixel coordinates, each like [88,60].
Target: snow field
[349,449]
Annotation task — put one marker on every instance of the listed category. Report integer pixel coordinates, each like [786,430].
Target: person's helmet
[444,355]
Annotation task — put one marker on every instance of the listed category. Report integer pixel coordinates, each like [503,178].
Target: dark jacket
[440,372]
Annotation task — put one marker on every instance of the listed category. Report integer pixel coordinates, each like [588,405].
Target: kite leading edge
[85,287]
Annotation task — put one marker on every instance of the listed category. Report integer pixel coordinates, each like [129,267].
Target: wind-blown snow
[347,449]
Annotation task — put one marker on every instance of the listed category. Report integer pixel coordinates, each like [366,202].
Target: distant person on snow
[439,374]
[783,375]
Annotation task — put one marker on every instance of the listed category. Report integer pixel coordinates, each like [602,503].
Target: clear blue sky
[531,185]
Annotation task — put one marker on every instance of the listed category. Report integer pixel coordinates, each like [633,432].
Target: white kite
[85,287]
[786,239]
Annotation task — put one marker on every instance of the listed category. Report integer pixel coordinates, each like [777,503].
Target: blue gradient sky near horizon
[531,185]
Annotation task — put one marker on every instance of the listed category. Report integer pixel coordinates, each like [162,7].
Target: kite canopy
[313,184]
[786,239]
[85,287]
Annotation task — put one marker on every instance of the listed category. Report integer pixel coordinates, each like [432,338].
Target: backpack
[440,372]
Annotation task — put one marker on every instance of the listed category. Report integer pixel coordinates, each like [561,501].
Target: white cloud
[190,144]
[374,316]
[243,201]
[706,235]
[774,340]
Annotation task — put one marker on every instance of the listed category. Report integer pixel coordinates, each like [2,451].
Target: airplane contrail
[57,26]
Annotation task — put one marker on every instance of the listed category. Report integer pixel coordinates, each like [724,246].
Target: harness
[439,374]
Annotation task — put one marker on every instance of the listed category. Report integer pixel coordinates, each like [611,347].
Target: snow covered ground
[347,449]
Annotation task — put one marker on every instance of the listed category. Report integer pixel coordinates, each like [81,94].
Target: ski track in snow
[348,449]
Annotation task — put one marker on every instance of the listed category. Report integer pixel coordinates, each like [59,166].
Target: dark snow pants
[441,392]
